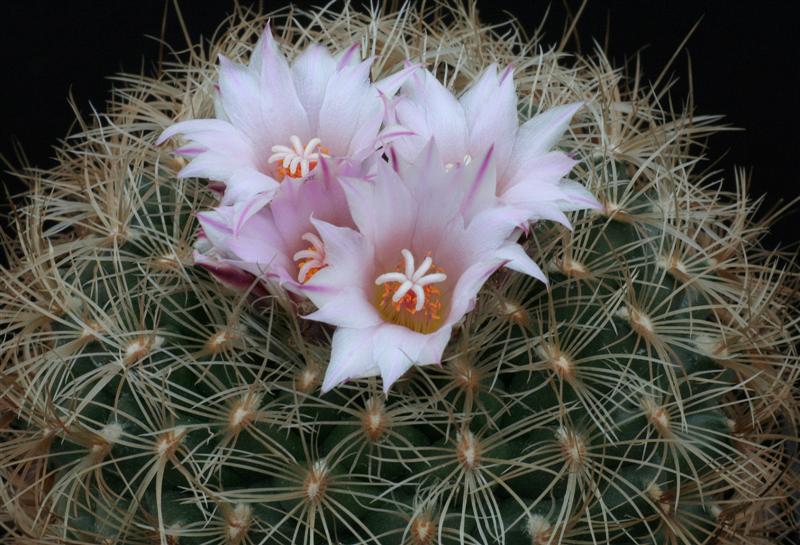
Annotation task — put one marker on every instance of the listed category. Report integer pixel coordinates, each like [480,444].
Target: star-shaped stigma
[297,161]
[413,280]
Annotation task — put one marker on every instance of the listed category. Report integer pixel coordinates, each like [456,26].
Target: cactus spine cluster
[645,396]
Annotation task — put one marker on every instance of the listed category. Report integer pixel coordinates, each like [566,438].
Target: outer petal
[517,259]
[351,356]
[577,197]
[246,183]
[348,308]
[216,228]
[218,147]
[480,186]
[265,107]
[295,203]
[431,111]
[490,106]
[538,136]
[281,113]
[350,265]
[240,96]
[349,57]
[258,242]
[227,274]
[537,171]
[468,285]
[389,85]
[382,210]
[396,349]
[349,103]
[311,71]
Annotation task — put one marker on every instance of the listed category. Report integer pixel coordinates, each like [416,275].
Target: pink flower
[275,121]
[427,239]
[529,175]
[278,243]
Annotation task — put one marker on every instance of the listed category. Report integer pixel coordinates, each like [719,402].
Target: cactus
[644,396]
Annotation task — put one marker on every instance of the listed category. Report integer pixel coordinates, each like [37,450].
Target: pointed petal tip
[163,137]
[508,71]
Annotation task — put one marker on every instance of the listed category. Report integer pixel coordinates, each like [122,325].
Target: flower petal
[245,183]
[539,135]
[349,103]
[490,106]
[226,274]
[311,71]
[480,185]
[577,197]
[381,209]
[348,308]
[468,285]
[396,349]
[351,356]
[431,110]
[222,148]
[295,203]
[349,260]
[389,85]
[263,97]
[517,259]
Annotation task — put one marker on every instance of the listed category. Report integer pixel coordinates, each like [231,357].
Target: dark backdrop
[744,58]
[744,62]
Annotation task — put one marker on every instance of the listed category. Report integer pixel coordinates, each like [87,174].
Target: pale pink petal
[240,94]
[539,135]
[221,148]
[490,106]
[490,229]
[348,308]
[537,171]
[480,185]
[577,197]
[349,57]
[349,102]
[206,132]
[258,242]
[397,349]
[349,260]
[389,85]
[416,174]
[435,113]
[547,211]
[281,111]
[216,228]
[311,71]
[245,183]
[382,209]
[515,258]
[411,116]
[295,203]
[469,283]
[351,356]
[226,274]
[365,138]
[215,166]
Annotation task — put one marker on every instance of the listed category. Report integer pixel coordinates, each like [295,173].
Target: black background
[744,64]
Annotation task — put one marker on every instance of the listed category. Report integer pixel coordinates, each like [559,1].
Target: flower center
[409,295]
[298,160]
[310,260]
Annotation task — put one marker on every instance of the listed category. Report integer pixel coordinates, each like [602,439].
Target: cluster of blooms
[387,204]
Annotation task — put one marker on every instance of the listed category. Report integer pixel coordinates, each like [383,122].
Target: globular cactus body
[643,396]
